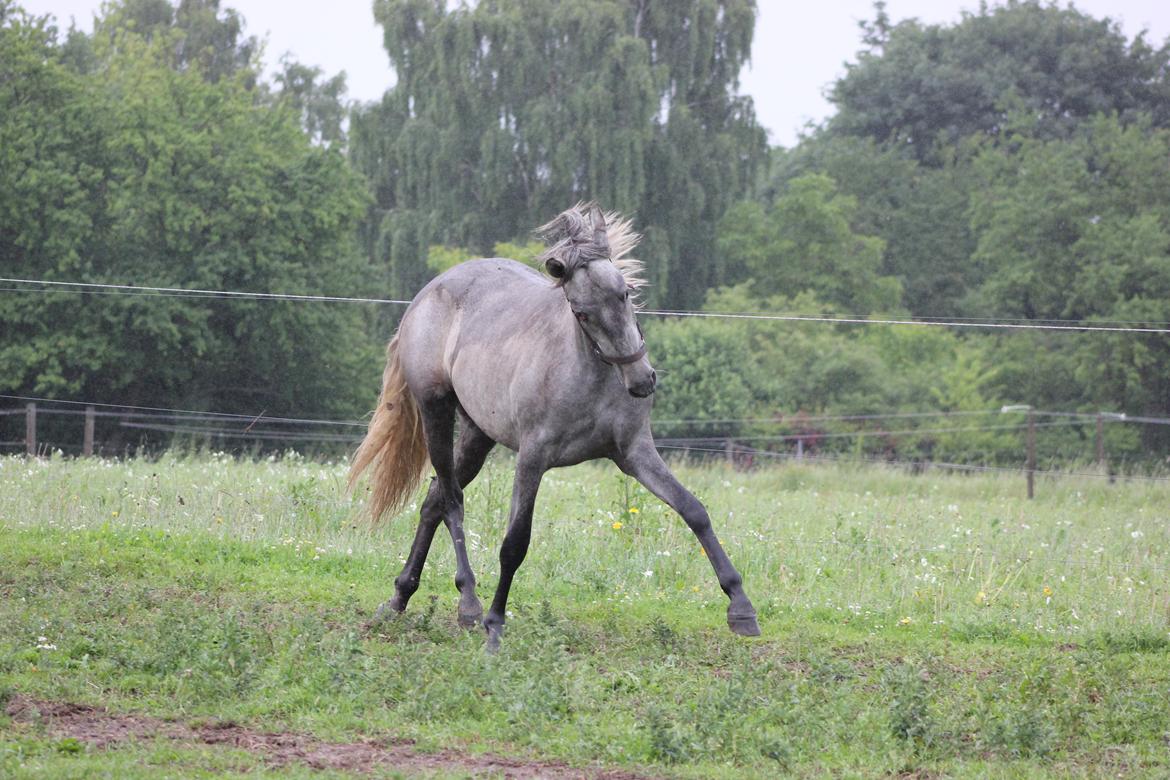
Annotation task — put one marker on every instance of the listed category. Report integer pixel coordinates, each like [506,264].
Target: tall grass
[929,625]
[865,544]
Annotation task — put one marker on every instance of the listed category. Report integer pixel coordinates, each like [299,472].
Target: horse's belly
[487,402]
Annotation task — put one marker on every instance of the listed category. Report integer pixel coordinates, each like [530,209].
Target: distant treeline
[1012,165]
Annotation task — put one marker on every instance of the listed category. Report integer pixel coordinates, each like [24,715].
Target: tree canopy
[508,110]
[924,87]
[139,170]
[1009,165]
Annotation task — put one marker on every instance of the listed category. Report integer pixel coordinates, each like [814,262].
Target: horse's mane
[570,239]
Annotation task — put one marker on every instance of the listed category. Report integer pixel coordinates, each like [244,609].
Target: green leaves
[505,112]
[923,88]
[805,243]
[148,172]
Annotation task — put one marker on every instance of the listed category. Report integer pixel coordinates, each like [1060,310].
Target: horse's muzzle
[645,388]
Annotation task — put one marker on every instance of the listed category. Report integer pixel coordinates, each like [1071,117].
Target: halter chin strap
[623,360]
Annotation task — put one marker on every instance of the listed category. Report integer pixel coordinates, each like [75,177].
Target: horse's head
[588,259]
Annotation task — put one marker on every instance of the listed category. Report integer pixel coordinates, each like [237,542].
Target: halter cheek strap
[623,360]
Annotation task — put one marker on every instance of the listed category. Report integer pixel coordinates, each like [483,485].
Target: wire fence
[992,323]
[805,431]
[742,451]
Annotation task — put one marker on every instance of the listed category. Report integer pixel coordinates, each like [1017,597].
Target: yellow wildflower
[633,510]
[905,621]
[1047,591]
[617,525]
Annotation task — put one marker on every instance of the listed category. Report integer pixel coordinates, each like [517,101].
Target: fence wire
[49,285]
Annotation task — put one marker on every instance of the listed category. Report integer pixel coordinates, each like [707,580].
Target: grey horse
[555,370]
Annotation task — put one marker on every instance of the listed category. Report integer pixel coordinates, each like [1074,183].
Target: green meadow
[916,624]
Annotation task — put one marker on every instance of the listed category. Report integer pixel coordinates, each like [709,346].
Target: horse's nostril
[653,377]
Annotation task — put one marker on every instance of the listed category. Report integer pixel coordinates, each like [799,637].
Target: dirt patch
[102,729]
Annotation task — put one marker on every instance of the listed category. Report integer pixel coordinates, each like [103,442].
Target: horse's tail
[394,446]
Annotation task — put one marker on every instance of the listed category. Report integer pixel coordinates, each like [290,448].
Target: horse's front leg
[529,470]
[644,464]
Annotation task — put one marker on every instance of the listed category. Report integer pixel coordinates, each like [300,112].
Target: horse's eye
[581,316]
[626,297]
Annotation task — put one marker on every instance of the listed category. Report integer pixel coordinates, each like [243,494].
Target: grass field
[929,625]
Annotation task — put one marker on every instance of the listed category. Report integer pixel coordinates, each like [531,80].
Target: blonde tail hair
[394,446]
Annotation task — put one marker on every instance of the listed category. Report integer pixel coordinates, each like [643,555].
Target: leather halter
[623,360]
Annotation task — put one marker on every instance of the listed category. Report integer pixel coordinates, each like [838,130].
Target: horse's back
[477,329]
[470,280]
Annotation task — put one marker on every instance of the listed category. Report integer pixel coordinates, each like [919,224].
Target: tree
[199,34]
[919,212]
[318,103]
[508,111]
[805,243]
[146,173]
[1080,229]
[923,87]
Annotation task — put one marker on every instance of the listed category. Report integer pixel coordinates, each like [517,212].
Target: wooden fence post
[1100,441]
[30,428]
[1031,452]
[87,441]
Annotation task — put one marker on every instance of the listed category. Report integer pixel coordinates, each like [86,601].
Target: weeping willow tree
[506,111]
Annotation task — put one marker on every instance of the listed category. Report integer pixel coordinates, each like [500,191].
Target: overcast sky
[799,49]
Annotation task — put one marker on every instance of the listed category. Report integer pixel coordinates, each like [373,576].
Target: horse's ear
[600,235]
[555,268]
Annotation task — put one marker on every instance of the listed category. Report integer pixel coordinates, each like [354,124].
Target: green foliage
[923,88]
[919,212]
[805,243]
[153,172]
[707,372]
[318,103]
[507,112]
[1013,164]
[1080,229]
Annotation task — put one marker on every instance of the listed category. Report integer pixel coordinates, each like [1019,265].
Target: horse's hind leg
[438,416]
[444,503]
[644,464]
[470,451]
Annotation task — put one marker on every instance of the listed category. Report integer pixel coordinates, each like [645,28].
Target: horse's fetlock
[407,583]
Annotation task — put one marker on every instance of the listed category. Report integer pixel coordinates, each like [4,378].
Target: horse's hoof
[744,625]
[495,632]
[470,613]
[493,643]
[387,611]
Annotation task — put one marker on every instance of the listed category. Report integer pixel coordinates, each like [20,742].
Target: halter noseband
[624,360]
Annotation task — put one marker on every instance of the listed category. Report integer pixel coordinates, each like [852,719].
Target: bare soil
[103,730]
